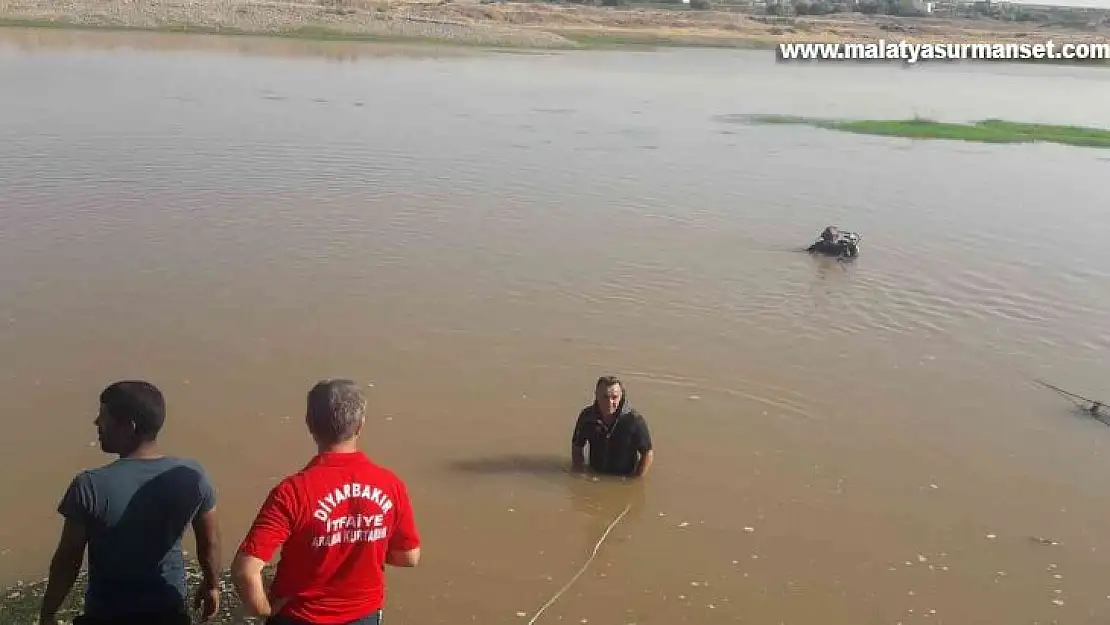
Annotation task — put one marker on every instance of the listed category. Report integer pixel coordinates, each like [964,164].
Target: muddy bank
[517,25]
[19,604]
[314,21]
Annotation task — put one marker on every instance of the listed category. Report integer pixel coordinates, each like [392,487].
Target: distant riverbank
[511,25]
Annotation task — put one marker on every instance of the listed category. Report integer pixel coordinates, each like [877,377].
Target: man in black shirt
[618,435]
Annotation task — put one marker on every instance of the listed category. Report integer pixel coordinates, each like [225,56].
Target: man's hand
[207,601]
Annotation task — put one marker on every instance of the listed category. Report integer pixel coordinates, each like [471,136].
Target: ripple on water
[781,399]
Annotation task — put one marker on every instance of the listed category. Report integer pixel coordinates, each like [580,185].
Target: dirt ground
[530,25]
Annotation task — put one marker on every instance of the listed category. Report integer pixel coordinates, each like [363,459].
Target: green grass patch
[603,39]
[306,33]
[985,131]
[617,38]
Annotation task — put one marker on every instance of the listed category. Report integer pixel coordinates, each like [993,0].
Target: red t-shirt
[335,520]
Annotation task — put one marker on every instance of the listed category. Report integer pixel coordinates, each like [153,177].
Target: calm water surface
[478,236]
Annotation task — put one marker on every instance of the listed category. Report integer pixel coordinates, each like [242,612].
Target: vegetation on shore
[19,605]
[985,131]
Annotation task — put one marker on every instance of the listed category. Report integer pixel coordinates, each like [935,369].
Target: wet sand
[236,224]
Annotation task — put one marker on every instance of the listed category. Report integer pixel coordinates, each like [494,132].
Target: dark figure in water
[835,243]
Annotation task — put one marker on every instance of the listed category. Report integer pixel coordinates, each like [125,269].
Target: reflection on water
[478,246]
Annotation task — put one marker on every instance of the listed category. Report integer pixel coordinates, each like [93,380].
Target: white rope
[582,570]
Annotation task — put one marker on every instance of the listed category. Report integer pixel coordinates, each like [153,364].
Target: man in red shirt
[338,521]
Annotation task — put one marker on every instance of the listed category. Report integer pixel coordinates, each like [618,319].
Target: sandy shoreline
[513,25]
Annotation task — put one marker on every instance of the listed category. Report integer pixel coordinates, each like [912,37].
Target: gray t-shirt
[136,512]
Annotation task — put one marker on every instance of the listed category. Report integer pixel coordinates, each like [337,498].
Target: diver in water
[835,243]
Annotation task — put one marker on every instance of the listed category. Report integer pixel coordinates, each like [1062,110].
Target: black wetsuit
[842,248]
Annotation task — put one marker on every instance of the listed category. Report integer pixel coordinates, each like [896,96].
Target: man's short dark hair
[138,402]
[606,381]
[336,408]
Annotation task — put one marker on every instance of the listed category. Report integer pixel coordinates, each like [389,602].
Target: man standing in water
[132,514]
[617,434]
[338,522]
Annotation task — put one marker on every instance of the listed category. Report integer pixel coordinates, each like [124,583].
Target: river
[478,236]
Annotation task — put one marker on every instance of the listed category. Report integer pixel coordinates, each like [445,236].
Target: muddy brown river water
[478,236]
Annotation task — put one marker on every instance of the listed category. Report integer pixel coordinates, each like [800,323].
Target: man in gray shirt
[132,514]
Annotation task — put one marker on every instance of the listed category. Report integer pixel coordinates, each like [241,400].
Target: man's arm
[246,574]
[404,542]
[577,457]
[644,446]
[207,532]
[578,443]
[271,528]
[64,567]
[76,507]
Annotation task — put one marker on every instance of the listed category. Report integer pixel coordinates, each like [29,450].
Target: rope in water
[1094,407]
[582,570]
